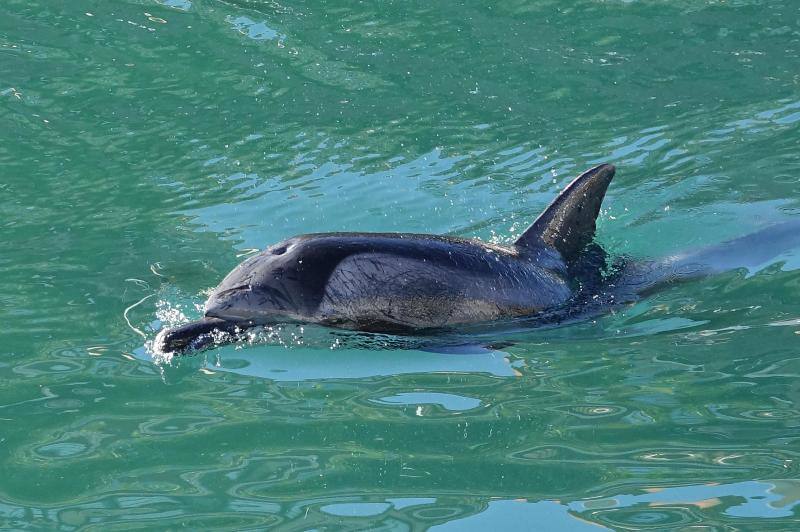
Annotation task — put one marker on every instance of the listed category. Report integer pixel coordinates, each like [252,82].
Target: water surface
[146,147]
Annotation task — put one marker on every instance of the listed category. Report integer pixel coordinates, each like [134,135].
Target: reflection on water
[445,400]
[297,363]
[653,508]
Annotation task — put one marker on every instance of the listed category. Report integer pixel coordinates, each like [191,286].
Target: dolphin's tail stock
[194,335]
[752,252]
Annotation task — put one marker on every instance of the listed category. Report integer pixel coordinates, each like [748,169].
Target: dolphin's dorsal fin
[568,223]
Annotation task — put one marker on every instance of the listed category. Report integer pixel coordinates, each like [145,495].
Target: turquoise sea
[148,146]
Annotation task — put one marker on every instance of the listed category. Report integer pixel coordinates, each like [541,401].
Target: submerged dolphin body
[401,283]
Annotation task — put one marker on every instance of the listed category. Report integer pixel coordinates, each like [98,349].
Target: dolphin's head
[266,288]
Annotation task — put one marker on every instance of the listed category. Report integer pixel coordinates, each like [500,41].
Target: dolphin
[404,283]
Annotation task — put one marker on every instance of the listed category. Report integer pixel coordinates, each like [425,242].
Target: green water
[146,147]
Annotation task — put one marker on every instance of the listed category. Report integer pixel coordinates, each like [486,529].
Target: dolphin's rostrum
[400,283]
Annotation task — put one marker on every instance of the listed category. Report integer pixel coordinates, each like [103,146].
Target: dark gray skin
[422,284]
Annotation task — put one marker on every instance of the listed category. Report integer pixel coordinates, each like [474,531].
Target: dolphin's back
[392,287]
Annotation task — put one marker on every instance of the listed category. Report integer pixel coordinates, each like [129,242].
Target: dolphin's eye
[279,250]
